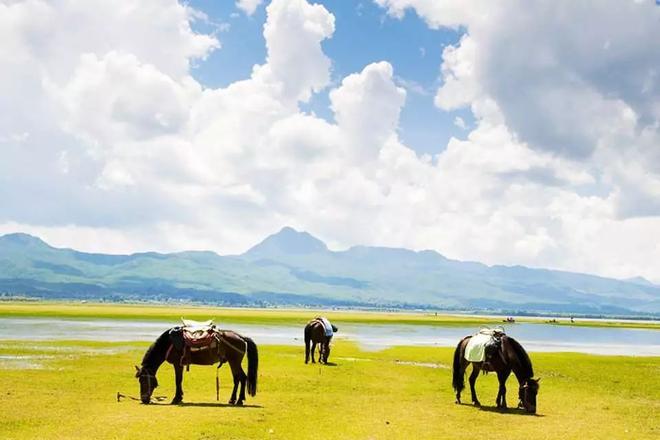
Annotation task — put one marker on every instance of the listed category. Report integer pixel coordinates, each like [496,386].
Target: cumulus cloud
[109,144]
[585,95]
[586,92]
[355,101]
[248,6]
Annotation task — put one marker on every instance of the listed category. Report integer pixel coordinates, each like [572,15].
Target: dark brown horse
[228,347]
[315,334]
[509,357]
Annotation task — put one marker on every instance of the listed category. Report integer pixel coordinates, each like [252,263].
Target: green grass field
[173,313]
[366,395]
[67,390]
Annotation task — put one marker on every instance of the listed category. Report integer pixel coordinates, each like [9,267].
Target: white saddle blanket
[475,351]
[196,326]
[326,325]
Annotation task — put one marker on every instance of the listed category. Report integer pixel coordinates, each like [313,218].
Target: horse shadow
[330,364]
[213,405]
[511,411]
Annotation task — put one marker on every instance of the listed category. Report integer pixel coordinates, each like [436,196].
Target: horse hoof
[232,402]
[176,401]
[239,403]
[457,402]
[477,404]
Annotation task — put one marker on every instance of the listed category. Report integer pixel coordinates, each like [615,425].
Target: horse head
[148,383]
[527,393]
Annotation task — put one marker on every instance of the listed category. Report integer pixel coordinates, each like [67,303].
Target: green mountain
[295,268]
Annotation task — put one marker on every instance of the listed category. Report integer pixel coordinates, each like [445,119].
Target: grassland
[173,313]
[68,391]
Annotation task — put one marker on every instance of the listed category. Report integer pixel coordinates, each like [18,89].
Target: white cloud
[109,144]
[248,6]
[583,96]
[355,101]
[293,32]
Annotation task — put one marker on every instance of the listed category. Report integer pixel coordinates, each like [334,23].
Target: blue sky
[364,33]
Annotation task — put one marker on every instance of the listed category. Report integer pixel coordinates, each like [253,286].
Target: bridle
[150,377]
[525,397]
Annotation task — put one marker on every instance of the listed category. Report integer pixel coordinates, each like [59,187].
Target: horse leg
[473,378]
[327,350]
[501,394]
[178,377]
[241,396]
[239,377]
[307,342]
[313,348]
[232,400]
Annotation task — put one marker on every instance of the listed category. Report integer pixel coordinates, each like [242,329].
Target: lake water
[534,337]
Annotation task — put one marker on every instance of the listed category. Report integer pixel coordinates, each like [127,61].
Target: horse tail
[253,366]
[458,375]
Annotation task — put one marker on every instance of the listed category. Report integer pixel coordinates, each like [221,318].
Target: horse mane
[155,354]
[522,357]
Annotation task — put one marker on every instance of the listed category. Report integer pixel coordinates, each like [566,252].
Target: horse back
[316,331]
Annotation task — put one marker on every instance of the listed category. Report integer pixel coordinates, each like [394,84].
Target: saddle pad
[198,334]
[475,351]
[191,323]
[326,325]
[198,338]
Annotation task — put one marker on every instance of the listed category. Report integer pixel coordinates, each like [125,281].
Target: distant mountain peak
[22,239]
[288,241]
[641,281]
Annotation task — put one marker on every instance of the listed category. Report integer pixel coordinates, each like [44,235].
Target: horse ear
[137,369]
[538,380]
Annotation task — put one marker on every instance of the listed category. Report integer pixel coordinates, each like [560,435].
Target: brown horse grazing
[315,334]
[228,347]
[510,356]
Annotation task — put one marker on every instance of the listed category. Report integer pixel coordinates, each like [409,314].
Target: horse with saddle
[493,350]
[200,343]
[319,331]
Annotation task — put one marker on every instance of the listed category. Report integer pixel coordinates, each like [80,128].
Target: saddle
[492,347]
[197,336]
[484,346]
[327,327]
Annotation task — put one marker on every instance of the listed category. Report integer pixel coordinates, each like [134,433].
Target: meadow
[401,392]
[67,390]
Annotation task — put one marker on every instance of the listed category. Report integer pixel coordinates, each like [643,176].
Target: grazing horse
[228,347]
[315,334]
[510,356]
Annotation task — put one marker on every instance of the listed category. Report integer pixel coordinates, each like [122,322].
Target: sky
[509,132]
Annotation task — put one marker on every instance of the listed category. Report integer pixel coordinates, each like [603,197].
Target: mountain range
[295,268]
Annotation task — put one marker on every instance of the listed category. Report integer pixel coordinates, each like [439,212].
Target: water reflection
[535,337]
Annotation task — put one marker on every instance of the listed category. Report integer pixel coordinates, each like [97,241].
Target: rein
[150,377]
[220,338]
[126,396]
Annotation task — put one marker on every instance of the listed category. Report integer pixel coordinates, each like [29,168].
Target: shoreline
[170,311]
